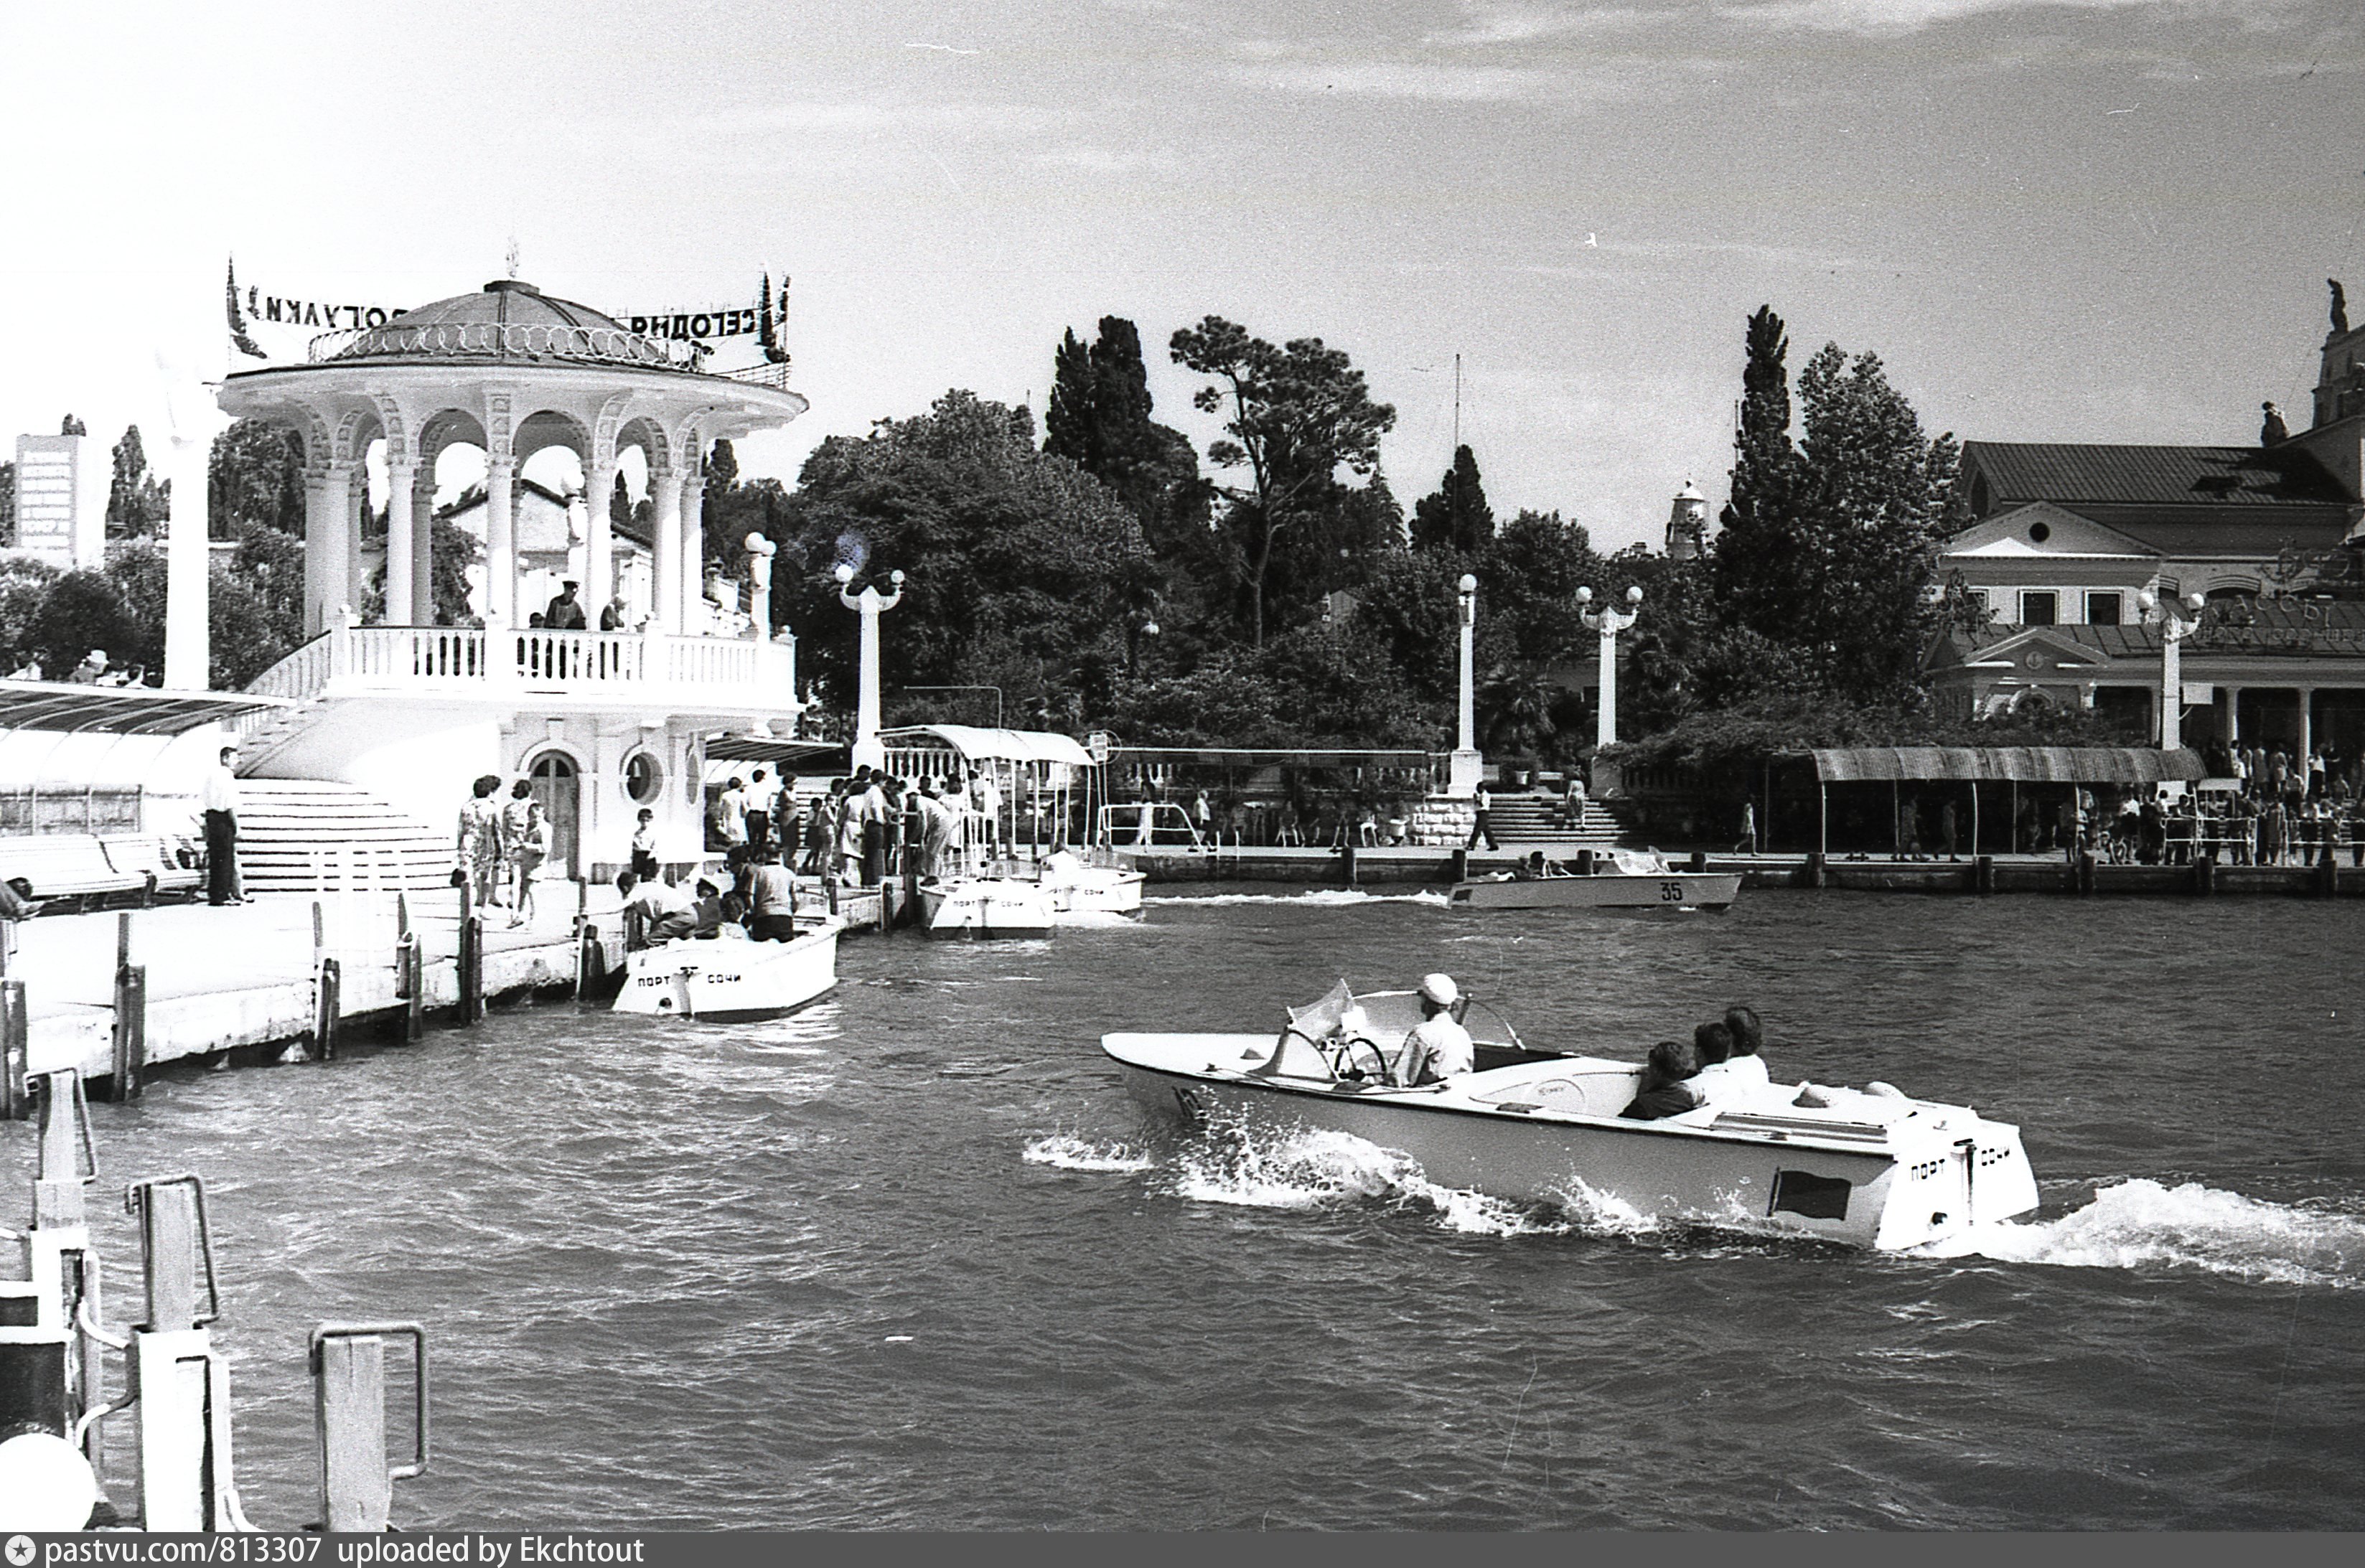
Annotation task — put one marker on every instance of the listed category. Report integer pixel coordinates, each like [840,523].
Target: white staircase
[311,835]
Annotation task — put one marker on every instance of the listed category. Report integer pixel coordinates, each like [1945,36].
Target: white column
[356,508]
[188,571]
[1465,766]
[501,540]
[1605,729]
[400,573]
[316,550]
[422,545]
[2232,715]
[664,538]
[599,540]
[2306,725]
[2171,689]
[694,615]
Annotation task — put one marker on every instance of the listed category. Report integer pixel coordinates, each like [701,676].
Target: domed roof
[509,320]
[506,301]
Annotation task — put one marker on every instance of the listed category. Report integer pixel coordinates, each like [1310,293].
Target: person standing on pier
[517,818]
[1484,827]
[529,847]
[222,886]
[480,841]
[761,789]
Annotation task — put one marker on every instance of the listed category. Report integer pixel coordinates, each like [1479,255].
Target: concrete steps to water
[309,835]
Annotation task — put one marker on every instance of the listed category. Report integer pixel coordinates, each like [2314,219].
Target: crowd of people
[2281,811]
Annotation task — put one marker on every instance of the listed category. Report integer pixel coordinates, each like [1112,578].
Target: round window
[2040,532]
[644,779]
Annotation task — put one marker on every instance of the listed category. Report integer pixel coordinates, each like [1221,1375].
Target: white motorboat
[987,906]
[1079,887]
[1866,1168]
[1620,878]
[731,980]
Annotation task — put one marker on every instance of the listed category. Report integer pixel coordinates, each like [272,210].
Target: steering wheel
[1360,1058]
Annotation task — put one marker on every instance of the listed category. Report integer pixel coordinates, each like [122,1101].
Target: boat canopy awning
[1267,757]
[118,710]
[787,754]
[2023,765]
[976,744]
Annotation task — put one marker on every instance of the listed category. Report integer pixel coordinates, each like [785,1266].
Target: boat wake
[1318,897]
[1228,1163]
[1063,1151]
[2140,1224]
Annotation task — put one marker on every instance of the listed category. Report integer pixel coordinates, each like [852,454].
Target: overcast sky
[2099,220]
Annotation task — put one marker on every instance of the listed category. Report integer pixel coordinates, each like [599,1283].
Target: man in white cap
[1438,1047]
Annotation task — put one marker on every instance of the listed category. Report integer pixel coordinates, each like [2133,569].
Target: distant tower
[1688,524]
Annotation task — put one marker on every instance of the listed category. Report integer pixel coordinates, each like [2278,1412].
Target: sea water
[913,1259]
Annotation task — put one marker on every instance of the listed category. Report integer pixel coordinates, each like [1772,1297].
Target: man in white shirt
[668,913]
[1438,1046]
[1746,1067]
[985,799]
[762,790]
[221,831]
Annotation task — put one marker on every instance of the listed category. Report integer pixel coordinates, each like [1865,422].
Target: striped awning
[2018,764]
[119,709]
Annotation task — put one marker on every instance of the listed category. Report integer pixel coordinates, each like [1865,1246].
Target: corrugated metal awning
[118,710]
[1269,756]
[746,749]
[2024,765]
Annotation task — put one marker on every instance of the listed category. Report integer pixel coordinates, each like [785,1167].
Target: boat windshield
[1389,1015]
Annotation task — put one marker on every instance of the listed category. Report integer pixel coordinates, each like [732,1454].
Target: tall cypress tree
[1456,516]
[1099,420]
[1757,529]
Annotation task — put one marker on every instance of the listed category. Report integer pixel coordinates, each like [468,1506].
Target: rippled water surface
[914,1260]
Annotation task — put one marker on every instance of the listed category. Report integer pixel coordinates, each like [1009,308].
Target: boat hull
[987,907]
[729,980]
[1494,1133]
[1669,890]
[1096,891]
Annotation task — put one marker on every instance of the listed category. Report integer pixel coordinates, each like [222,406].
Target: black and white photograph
[773,768]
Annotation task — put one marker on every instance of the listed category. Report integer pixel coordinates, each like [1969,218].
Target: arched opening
[557,784]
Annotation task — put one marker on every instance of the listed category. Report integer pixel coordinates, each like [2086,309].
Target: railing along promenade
[473,659]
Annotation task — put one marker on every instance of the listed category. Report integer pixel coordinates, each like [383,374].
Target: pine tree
[136,501]
[1455,518]
[1756,526]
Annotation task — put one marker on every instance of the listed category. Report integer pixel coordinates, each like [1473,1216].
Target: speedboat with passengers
[1620,878]
[729,979]
[1867,1168]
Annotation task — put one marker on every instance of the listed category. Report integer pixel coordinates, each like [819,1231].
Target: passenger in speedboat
[1665,1091]
[1438,1047]
[1745,1066]
[1715,1083]
[669,912]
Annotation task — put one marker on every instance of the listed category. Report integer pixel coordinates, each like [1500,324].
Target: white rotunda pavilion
[602,722]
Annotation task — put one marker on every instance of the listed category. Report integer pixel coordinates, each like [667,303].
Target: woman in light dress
[480,841]
[528,850]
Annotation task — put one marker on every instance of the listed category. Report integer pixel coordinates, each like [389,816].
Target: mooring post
[1461,865]
[1983,874]
[327,1001]
[1814,870]
[349,1405]
[1347,861]
[2204,875]
[1699,861]
[1585,862]
[472,967]
[15,1041]
[2325,878]
[130,1057]
[2085,877]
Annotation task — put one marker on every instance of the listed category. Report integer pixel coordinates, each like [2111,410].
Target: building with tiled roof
[2067,540]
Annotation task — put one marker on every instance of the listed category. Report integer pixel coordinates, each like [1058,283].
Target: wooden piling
[2324,878]
[129,1060]
[472,967]
[326,999]
[1585,862]
[1461,865]
[16,1092]
[2205,876]
[1699,861]
[1347,861]
[1983,873]
[2083,877]
[410,985]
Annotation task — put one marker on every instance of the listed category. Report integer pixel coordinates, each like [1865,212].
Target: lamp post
[2173,629]
[867,751]
[760,552]
[1609,621]
[1466,766]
